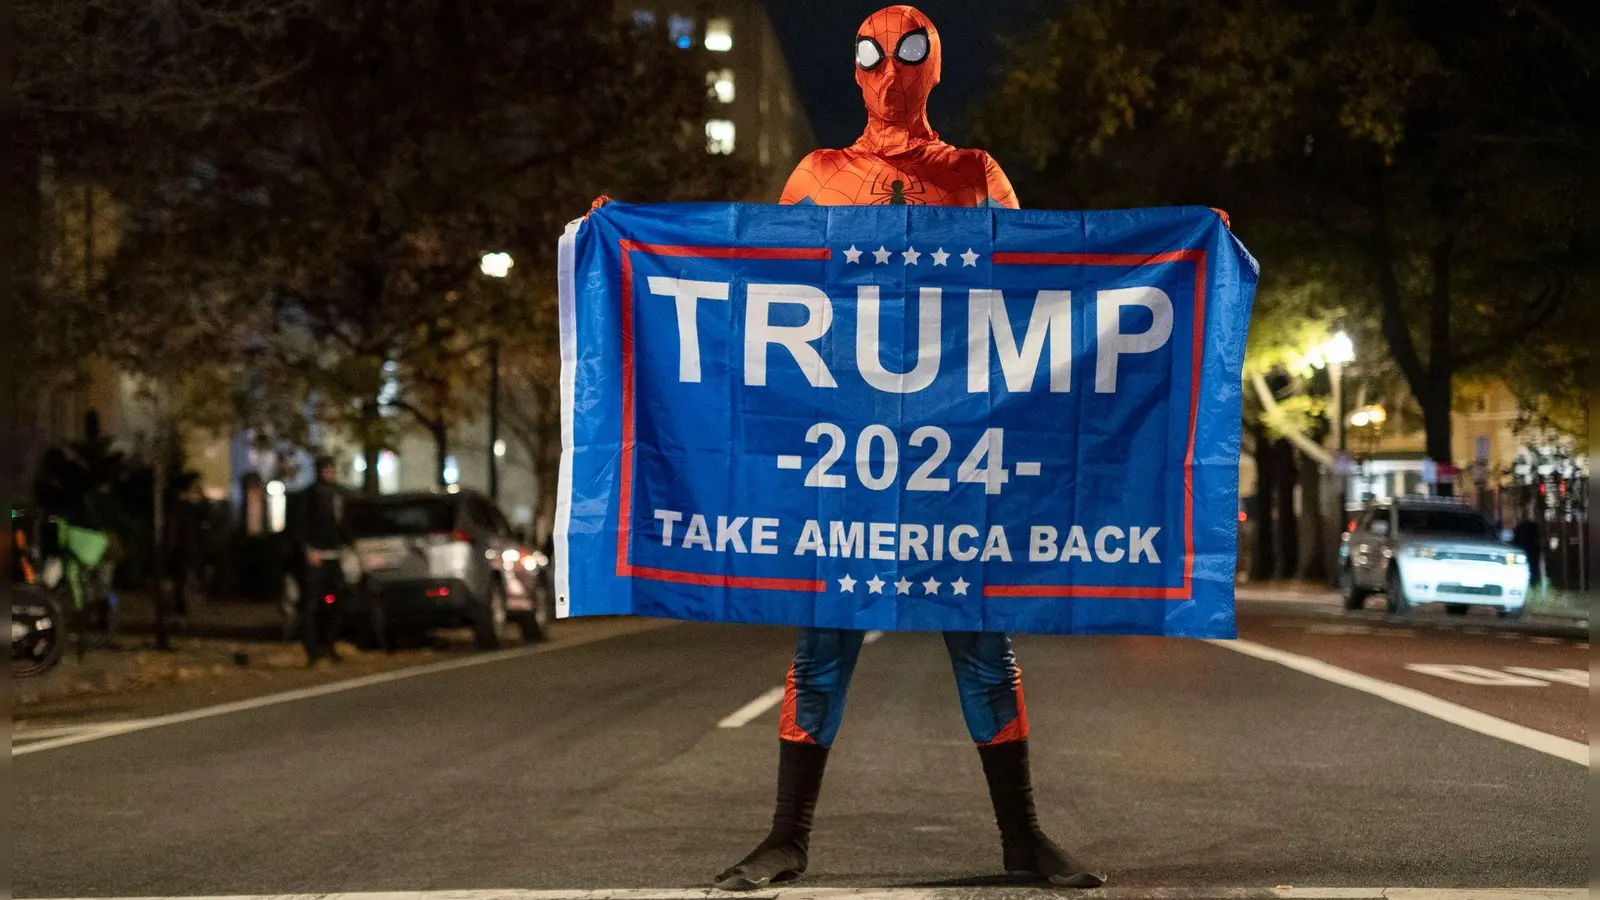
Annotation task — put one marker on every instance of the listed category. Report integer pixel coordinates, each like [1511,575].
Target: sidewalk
[1558,613]
[225,647]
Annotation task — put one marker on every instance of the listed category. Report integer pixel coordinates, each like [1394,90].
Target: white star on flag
[931,586]
[852,255]
[960,586]
[903,586]
[939,256]
[969,258]
[875,585]
[911,256]
[881,255]
[847,584]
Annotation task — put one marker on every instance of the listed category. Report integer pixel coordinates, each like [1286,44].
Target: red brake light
[438,592]
[464,537]
[327,598]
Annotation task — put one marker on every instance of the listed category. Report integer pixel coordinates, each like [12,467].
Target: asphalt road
[1170,763]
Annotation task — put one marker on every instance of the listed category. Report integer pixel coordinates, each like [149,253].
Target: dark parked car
[450,559]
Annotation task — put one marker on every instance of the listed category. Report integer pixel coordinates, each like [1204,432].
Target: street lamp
[1338,351]
[495,265]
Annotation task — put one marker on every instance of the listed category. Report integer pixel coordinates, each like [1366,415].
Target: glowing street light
[1339,349]
[496,265]
[1368,415]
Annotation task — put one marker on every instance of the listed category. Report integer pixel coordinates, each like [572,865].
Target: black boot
[782,856]
[1028,851]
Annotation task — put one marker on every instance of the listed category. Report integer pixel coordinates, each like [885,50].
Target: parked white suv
[1432,550]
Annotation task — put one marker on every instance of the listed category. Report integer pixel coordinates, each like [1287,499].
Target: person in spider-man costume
[899,159]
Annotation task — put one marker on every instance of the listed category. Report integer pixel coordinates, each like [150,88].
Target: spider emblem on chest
[891,188]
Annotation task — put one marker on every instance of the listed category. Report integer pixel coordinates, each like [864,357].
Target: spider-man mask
[897,65]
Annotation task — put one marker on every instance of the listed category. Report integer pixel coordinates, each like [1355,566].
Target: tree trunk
[20,267]
[1436,425]
[441,451]
[1430,380]
[1286,534]
[1261,561]
[371,450]
[370,483]
[1313,535]
[1436,413]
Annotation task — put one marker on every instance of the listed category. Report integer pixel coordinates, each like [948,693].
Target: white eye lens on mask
[913,48]
[867,53]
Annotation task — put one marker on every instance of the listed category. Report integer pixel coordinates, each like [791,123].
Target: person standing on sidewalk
[320,534]
[185,526]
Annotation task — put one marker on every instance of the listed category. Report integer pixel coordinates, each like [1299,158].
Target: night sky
[818,40]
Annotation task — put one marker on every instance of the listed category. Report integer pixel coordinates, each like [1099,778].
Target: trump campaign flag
[902,417]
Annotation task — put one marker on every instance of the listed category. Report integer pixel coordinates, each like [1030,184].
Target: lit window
[681,30]
[719,35]
[644,18]
[719,85]
[719,136]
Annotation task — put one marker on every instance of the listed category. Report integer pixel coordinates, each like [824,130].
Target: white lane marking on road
[336,687]
[1413,699]
[1474,675]
[746,713]
[24,732]
[1112,893]
[1575,677]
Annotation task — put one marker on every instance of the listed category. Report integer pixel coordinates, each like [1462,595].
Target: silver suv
[1432,550]
[445,560]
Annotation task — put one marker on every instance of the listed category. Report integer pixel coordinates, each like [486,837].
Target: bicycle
[38,619]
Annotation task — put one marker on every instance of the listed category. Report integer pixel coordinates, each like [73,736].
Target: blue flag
[902,417]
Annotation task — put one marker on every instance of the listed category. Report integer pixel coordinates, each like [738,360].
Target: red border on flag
[625,569]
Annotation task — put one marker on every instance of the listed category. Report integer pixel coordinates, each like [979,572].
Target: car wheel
[536,624]
[1512,612]
[1355,596]
[491,627]
[1395,594]
[1456,609]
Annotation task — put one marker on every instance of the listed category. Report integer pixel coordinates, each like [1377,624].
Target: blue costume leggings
[987,679]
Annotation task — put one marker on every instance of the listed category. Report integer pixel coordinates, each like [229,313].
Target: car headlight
[1516,559]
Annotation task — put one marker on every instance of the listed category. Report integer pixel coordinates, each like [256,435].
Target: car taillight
[442,537]
[438,592]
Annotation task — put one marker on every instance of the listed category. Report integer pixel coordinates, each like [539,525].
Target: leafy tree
[1428,162]
[319,241]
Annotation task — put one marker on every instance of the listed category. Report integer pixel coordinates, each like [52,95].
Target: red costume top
[899,159]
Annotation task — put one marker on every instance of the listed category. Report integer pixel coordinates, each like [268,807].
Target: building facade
[752,112]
